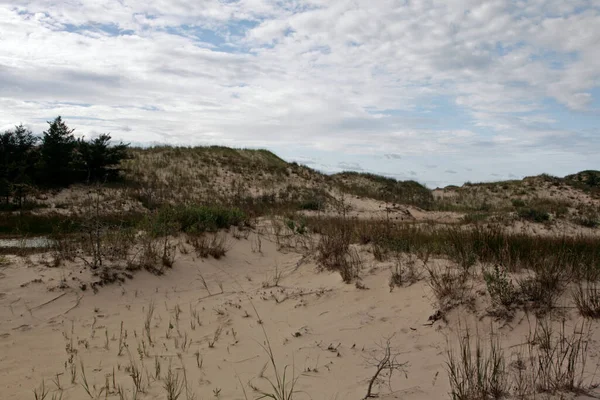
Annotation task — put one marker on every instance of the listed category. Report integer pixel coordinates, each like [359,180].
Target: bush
[312,205]
[518,203]
[534,214]
[447,284]
[587,300]
[215,246]
[543,289]
[335,254]
[477,371]
[499,287]
[198,219]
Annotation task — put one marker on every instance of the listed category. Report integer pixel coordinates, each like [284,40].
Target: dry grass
[205,245]
[551,361]
[478,370]
[335,254]
[587,299]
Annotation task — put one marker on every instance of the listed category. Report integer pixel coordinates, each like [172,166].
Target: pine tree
[58,154]
[99,158]
[18,157]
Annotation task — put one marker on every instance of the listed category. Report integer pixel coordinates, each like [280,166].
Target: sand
[327,332]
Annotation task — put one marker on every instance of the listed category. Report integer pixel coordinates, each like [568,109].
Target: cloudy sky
[438,91]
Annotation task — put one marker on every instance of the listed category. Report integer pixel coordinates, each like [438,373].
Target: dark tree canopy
[18,158]
[99,158]
[58,154]
[57,161]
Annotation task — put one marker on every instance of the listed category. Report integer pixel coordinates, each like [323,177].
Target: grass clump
[542,290]
[552,361]
[447,284]
[533,214]
[587,300]
[477,371]
[500,288]
[198,219]
[335,254]
[214,245]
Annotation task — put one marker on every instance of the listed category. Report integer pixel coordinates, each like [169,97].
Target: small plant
[379,251]
[543,289]
[136,375]
[518,203]
[387,361]
[396,277]
[40,393]
[533,214]
[122,340]
[91,391]
[148,321]
[335,254]
[156,368]
[173,384]
[447,284]
[477,371]
[587,300]
[199,359]
[214,245]
[274,279]
[405,271]
[558,359]
[217,334]
[499,286]
[296,228]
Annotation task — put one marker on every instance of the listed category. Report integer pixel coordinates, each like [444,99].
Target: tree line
[54,160]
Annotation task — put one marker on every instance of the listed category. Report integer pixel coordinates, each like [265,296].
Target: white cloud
[306,73]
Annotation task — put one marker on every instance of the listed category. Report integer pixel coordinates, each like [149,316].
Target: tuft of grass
[41,393]
[477,370]
[587,300]
[558,358]
[533,214]
[214,245]
[542,290]
[335,254]
[173,384]
[552,361]
[198,219]
[500,287]
[447,284]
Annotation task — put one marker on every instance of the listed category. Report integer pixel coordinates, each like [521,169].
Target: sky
[441,92]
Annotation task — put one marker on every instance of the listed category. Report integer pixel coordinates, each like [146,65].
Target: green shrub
[311,205]
[534,214]
[588,222]
[500,288]
[518,203]
[198,219]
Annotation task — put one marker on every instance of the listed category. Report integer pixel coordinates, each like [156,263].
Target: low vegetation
[551,361]
[134,209]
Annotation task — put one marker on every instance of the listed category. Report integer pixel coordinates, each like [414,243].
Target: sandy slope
[327,330]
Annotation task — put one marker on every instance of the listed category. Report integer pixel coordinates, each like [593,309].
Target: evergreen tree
[58,152]
[18,156]
[99,158]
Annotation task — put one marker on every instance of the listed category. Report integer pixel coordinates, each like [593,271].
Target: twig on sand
[247,359]
[49,301]
[75,306]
